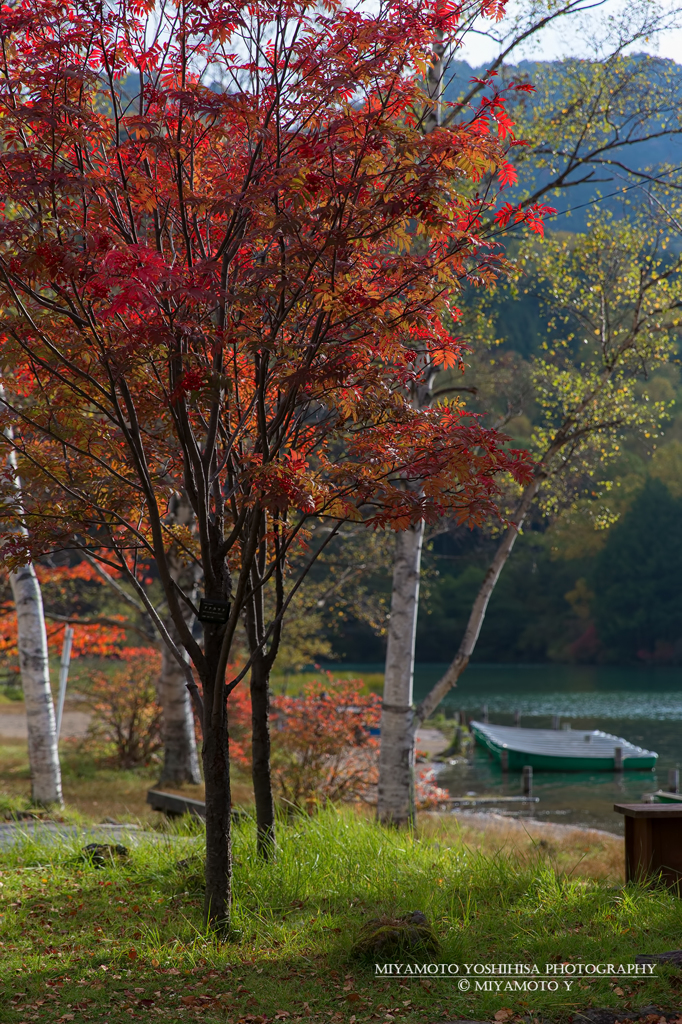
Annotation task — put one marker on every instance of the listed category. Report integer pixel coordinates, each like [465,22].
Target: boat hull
[661,797]
[496,739]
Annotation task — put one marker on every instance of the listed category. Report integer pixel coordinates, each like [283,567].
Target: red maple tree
[227,253]
[102,636]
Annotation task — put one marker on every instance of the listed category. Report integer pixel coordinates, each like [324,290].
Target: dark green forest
[620,604]
[599,581]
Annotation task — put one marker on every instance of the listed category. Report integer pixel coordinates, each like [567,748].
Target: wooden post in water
[618,759]
[527,780]
[555,721]
[517,718]
[674,780]
[504,761]
[485,714]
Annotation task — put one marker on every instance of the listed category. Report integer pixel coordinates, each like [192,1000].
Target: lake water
[643,706]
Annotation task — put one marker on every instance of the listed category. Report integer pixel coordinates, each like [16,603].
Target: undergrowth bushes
[125,728]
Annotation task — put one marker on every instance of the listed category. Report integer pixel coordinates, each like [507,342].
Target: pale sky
[575,37]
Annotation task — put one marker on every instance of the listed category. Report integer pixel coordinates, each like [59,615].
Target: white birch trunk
[180,758]
[43,755]
[396,758]
[395,803]
[34,665]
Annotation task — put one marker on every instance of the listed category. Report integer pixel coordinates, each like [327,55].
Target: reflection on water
[643,706]
[571,690]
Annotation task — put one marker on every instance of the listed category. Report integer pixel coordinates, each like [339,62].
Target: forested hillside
[632,134]
[600,579]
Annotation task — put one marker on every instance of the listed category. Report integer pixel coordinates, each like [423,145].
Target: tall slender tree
[582,126]
[34,665]
[613,299]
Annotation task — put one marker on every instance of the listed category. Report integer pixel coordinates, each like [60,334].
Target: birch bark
[43,751]
[43,756]
[180,757]
[395,805]
[395,797]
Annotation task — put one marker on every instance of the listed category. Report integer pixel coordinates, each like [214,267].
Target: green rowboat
[662,797]
[560,750]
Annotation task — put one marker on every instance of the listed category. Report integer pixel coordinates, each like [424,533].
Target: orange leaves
[494,9]
[445,357]
[65,588]
[286,484]
[296,462]
[325,743]
[448,457]
[246,285]
[533,216]
[508,213]
[126,717]
[103,641]
[64,574]
[8,632]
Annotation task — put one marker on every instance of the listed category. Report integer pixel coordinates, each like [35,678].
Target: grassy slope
[126,941]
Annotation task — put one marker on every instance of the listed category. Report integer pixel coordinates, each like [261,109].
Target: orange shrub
[322,749]
[325,745]
[126,718]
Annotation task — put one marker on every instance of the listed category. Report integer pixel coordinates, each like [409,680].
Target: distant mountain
[598,121]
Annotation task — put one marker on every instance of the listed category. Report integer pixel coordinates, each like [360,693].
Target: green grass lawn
[126,941]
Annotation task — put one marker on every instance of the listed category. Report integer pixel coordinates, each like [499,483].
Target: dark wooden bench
[174,805]
[653,842]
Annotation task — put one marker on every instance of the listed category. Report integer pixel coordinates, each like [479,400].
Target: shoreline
[551,828]
[588,854]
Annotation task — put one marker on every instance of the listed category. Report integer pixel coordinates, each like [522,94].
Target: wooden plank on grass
[174,805]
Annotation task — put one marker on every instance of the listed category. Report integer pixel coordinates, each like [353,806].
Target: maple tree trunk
[180,758]
[260,756]
[43,753]
[480,606]
[396,759]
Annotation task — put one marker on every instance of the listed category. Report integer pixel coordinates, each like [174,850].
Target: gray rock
[101,854]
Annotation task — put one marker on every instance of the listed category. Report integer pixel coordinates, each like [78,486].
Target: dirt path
[13,722]
[431,742]
[50,833]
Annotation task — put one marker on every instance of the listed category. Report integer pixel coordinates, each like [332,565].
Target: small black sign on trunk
[211,610]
